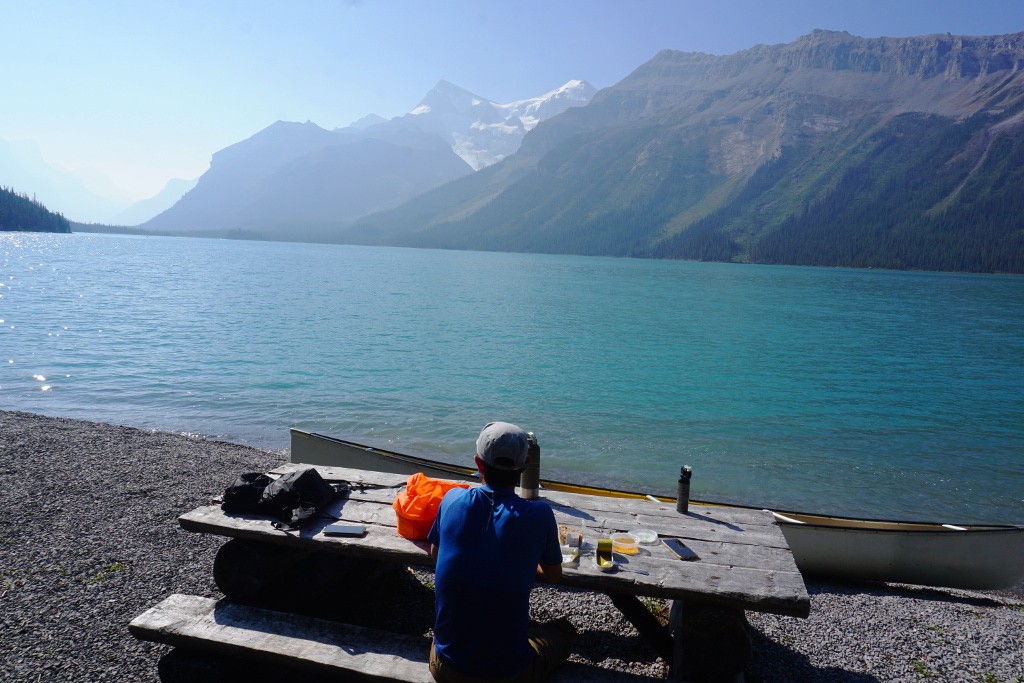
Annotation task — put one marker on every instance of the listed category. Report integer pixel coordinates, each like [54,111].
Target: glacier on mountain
[483,132]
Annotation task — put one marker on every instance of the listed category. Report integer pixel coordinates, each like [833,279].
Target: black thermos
[529,483]
[683,490]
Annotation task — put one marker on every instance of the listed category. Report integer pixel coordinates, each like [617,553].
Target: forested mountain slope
[831,150]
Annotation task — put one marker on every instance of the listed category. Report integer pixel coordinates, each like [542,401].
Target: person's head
[501,451]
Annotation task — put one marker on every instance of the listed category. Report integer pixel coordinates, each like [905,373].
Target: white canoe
[930,554]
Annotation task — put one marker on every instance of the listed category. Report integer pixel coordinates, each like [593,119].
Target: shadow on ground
[778,663]
[950,595]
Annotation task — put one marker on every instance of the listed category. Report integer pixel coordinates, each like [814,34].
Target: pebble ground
[89,539]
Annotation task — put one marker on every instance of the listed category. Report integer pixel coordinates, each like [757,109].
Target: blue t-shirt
[489,545]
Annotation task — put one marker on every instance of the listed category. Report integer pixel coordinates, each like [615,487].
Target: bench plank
[223,627]
[278,637]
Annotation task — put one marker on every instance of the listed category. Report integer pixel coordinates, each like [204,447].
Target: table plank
[688,528]
[346,474]
[776,592]
[381,541]
[720,514]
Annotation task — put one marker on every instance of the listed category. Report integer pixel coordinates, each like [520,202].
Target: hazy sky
[145,91]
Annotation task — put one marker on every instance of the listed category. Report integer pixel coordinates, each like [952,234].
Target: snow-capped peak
[534,110]
[446,97]
[484,132]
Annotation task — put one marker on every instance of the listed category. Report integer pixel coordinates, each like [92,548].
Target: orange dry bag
[417,505]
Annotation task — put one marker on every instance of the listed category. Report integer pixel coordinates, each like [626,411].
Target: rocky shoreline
[89,539]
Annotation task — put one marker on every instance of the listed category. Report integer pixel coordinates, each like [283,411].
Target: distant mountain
[299,181]
[141,211]
[227,187]
[19,213]
[831,150]
[83,195]
[367,121]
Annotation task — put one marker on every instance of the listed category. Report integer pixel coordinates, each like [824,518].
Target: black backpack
[292,498]
[245,494]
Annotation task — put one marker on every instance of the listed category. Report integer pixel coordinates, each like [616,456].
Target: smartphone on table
[682,551]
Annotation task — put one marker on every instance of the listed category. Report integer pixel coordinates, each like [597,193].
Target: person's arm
[549,573]
[552,554]
[433,552]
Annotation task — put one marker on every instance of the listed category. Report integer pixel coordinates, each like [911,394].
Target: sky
[143,91]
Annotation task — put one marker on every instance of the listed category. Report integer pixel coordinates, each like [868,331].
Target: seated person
[491,546]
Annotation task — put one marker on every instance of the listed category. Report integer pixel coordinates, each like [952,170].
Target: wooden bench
[318,646]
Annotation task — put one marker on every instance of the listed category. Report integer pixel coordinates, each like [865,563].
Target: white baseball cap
[502,445]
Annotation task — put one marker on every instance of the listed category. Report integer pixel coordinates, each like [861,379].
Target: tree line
[915,201]
[19,212]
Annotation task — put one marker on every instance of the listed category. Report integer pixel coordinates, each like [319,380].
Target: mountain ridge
[262,185]
[704,156]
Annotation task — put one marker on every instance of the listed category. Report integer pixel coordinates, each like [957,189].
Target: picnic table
[745,562]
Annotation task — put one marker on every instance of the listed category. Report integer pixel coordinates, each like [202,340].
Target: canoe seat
[316,646]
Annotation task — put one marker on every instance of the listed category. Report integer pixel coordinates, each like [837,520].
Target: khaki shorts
[551,643]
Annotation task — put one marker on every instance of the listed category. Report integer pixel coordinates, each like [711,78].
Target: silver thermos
[683,490]
[529,482]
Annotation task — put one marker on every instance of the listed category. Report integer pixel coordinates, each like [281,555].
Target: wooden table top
[744,562]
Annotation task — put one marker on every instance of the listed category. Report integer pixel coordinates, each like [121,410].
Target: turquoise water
[877,393]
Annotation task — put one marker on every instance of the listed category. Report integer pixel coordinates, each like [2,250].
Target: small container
[570,536]
[603,555]
[624,543]
[645,536]
[570,555]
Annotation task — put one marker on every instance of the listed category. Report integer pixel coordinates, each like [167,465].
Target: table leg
[245,569]
[646,623]
[299,580]
[710,642]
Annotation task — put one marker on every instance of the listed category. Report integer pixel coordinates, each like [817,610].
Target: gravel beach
[89,539]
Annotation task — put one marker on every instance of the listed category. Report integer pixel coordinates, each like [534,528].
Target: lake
[877,393]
